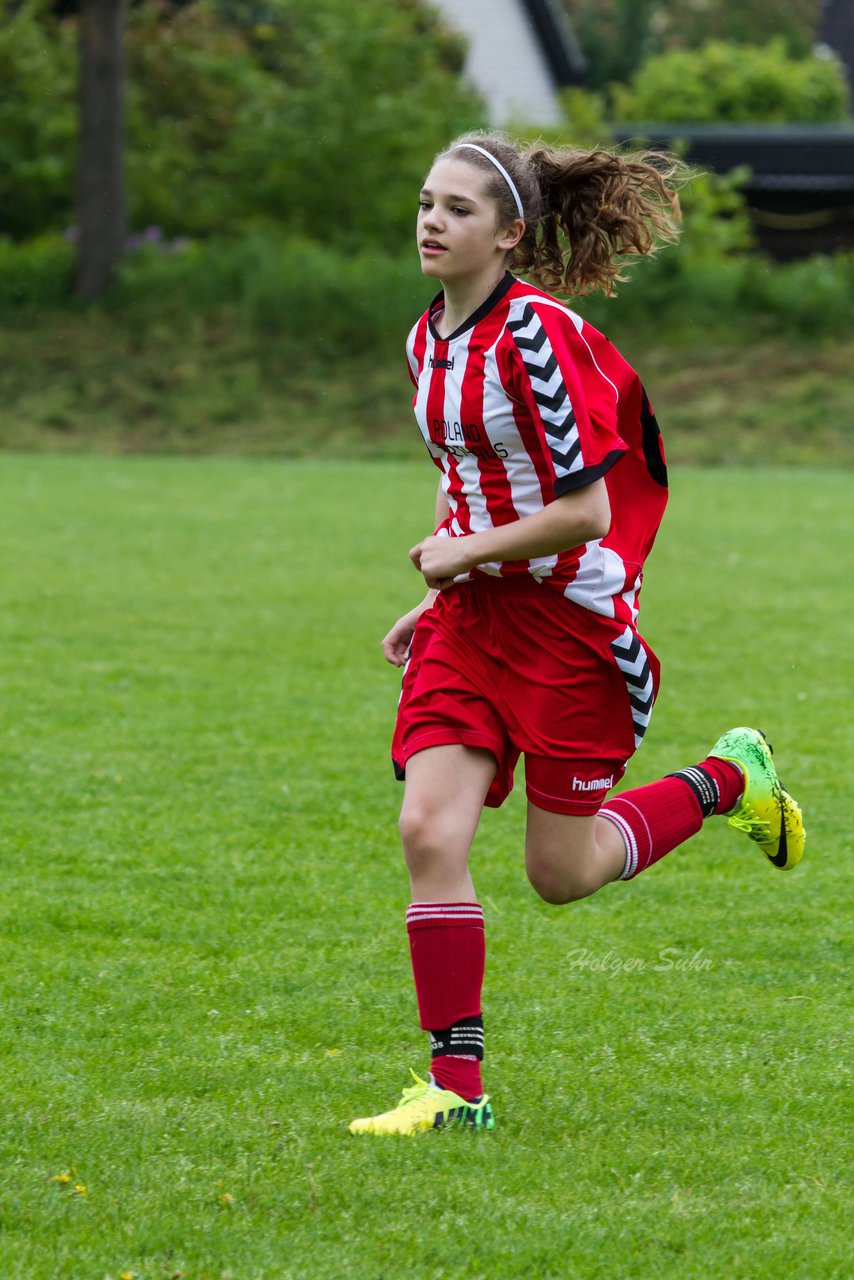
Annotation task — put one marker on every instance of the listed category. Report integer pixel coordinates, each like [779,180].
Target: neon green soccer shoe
[766,812]
[425,1106]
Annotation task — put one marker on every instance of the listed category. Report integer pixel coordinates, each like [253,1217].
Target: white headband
[500,167]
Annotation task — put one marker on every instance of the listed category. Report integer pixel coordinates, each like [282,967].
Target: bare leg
[445,791]
[569,857]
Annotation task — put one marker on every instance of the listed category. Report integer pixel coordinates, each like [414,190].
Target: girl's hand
[396,643]
[441,560]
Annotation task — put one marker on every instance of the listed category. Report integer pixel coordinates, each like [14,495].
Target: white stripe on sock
[444,911]
[628,840]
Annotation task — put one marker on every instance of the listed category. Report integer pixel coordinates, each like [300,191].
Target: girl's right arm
[396,643]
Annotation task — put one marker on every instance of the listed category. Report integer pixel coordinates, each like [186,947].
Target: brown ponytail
[599,206]
[584,210]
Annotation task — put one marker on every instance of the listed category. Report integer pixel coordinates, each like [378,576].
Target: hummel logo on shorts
[595,784]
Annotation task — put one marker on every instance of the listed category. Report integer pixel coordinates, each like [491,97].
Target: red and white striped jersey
[524,403]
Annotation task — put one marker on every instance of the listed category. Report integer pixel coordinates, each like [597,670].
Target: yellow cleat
[425,1106]
[766,812]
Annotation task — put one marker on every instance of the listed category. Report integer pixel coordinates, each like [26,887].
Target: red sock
[446,943]
[656,819]
[728,779]
[458,1072]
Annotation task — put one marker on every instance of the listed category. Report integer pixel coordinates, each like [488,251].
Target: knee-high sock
[446,943]
[656,819]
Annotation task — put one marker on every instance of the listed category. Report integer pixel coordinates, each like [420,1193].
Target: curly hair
[584,211]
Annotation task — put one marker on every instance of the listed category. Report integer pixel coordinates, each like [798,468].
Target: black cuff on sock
[463,1038]
[704,787]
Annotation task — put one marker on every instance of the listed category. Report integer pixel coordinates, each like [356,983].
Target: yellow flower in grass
[80,1189]
[62,1179]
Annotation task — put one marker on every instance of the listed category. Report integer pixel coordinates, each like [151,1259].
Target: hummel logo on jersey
[441,364]
[578,784]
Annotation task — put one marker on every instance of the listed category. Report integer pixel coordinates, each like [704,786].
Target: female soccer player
[552,488]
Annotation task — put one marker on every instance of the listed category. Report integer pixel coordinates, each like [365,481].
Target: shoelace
[751,824]
[415,1092]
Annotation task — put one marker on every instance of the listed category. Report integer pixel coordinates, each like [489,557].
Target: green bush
[36,274]
[319,121]
[745,293]
[365,94]
[189,79]
[316,303]
[728,82]
[618,35]
[310,299]
[700,275]
[38,123]
[813,296]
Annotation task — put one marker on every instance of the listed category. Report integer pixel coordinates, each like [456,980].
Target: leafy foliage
[316,116]
[35,273]
[618,35]
[691,23]
[287,292]
[317,119]
[347,302]
[730,82]
[37,120]
[615,35]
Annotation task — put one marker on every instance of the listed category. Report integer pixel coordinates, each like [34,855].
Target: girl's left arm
[571,520]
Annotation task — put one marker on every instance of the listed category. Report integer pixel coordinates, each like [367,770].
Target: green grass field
[204,965]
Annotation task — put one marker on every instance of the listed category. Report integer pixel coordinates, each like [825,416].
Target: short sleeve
[415,350]
[570,397]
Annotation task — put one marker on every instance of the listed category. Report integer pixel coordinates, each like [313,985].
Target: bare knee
[436,854]
[563,857]
[419,835]
[557,889]
[445,790]
[430,838]
[559,878]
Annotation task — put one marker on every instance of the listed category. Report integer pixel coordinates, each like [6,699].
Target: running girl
[553,485]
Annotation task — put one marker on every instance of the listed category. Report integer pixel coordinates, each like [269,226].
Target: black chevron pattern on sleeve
[549,391]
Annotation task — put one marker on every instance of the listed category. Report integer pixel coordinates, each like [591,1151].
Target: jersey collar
[484,309]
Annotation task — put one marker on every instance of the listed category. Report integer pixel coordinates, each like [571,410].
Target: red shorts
[514,669]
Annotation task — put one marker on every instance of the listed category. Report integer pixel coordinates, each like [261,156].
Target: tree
[618,35]
[615,36]
[101,201]
[316,118]
[687,24]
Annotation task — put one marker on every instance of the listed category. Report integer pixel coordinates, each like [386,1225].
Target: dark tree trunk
[100,168]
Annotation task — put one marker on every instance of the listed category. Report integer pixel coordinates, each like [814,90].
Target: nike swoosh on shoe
[781,857]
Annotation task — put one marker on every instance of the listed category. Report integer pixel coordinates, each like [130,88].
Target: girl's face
[458,236]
